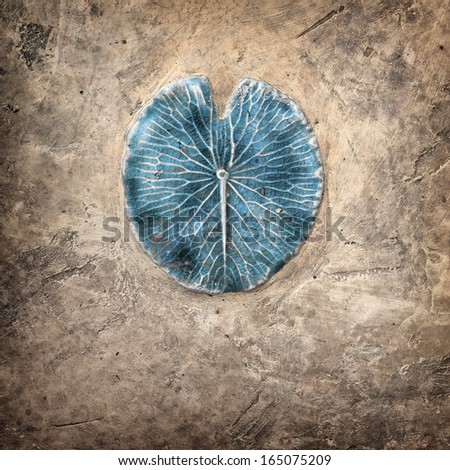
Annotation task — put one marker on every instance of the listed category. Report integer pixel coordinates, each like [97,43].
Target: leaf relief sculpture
[221,204]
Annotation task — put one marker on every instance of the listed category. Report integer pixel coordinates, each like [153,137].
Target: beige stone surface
[346,347]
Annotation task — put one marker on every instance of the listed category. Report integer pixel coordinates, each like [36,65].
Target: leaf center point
[222,174]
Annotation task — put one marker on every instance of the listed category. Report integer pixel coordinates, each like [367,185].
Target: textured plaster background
[346,347]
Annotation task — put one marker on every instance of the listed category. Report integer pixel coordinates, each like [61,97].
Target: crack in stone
[361,272]
[76,423]
[76,270]
[323,20]
[248,408]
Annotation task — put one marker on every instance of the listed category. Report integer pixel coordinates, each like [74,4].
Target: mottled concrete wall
[346,347]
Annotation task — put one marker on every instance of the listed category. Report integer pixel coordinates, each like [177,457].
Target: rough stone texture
[346,347]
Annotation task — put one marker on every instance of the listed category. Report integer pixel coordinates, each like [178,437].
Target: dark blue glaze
[222,204]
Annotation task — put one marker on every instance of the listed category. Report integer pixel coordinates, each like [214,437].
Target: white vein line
[162,179]
[279,217]
[243,260]
[181,128]
[181,204]
[256,218]
[177,149]
[203,121]
[294,166]
[167,165]
[198,210]
[208,255]
[277,151]
[223,213]
[211,126]
[249,113]
[201,117]
[270,201]
[200,248]
[272,212]
[268,183]
[276,114]
[252,141]
[241,105]
[264,137]
[251,252]
[232,127]
[238,279]
[189,110]
[231,141]
[158,160]
[262,130]
[211,270]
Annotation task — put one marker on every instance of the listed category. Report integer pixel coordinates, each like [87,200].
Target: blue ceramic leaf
[222,204]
